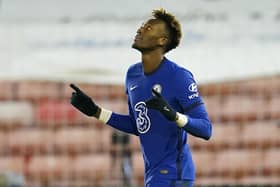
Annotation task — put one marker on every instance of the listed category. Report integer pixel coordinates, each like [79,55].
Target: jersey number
[142,121]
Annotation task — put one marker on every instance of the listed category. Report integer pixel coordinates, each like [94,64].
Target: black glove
[157,102]
[83,102]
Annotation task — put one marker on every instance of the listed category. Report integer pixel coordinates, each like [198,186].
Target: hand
[157,102]
[83,102]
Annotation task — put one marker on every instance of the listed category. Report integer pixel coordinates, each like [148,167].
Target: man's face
[150,35]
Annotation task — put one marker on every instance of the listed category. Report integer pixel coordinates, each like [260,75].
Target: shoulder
[134,69]
[183,73]
[179,72]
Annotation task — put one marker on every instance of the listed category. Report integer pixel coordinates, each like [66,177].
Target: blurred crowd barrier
[44,141]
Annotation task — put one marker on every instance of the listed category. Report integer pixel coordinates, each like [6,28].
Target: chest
[140,89]
[150,122]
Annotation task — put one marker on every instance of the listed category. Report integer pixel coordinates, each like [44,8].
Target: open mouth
[137,37]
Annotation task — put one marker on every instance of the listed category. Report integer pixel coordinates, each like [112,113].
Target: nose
[139,31]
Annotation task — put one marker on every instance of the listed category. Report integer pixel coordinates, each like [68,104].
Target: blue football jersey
[165,152]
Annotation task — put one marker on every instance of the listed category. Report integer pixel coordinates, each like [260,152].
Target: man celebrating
[164,105]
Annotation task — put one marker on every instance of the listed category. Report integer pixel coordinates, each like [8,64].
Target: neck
[151,60]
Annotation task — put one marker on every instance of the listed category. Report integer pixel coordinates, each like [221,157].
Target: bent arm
[198,123]
[124,123]
[85,104]
[193,112]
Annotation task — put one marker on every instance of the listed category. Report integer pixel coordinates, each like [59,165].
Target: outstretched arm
[84,103]
[87,106]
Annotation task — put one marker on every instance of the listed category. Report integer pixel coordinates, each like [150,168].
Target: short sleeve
[186,90]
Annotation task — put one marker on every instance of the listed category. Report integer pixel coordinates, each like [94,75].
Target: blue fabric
[165,152]
[168,183]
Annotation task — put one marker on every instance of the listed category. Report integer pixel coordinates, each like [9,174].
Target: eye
[148,28]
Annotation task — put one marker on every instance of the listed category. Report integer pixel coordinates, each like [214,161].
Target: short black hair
[173,26]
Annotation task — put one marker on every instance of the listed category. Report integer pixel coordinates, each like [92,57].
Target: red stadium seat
[138,167]
[213,104]
[215,181]
[11,164]
[56,113]
[38,90]
[249,97]
[135,143]
[261,134]
[204,162]
[30,141]
[14,113]
[53,113]
[223,136]
[92,167]
[271,163]
[49,168]
[241,108]
[238,163]
[253,87]
[273,108]
[117,92]
[256,86]
[77,140]
[260,180]
[3,142]
[7,90]
[105,139]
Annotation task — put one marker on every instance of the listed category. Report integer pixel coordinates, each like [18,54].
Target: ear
[163,41]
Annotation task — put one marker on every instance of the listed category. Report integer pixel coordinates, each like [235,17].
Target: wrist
[181,119]
[104,115]
[97,113]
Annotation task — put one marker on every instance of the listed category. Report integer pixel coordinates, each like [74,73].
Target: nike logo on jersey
[133,88]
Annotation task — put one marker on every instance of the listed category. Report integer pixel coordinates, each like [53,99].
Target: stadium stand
[266,134]
[56,113]
[11,164]
[224,137]
[4,142]
[26,141]
[138,167]
[41,90]
[204,158]
[77,140]
[238,163]
[135,144]
[48,168]
[12,115]
[271,162]
[93,168]
[8,90]
[50,134]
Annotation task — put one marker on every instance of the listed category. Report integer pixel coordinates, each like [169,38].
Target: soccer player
[164,105]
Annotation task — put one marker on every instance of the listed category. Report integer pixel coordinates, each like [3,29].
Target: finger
[156,93]
[149,104]
[75,87]
[152,103]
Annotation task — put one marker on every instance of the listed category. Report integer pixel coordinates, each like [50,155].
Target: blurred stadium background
[232,47]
